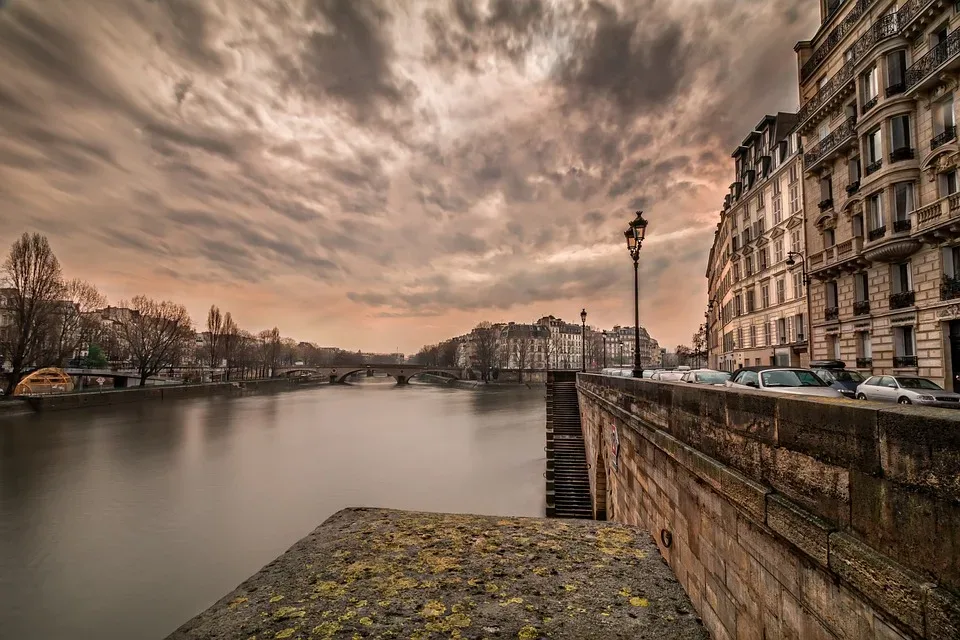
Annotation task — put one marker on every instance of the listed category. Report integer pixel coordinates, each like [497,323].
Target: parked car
[668,376]
[835,374]
[620,372]
[782,380]
[907,390]
[706,376]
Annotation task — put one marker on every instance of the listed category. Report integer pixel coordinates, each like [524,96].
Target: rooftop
[376,573]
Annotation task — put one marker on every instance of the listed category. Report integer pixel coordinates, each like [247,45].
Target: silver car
[783,380]
[907,390]
[706,376]
[668,376]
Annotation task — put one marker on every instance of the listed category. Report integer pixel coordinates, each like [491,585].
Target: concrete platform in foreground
[377,573]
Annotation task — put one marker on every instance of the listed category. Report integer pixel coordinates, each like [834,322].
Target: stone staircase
[568,484]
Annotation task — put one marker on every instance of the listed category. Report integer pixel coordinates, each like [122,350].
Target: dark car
[834,373]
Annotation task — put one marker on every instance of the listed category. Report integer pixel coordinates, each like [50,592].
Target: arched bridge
[339,374]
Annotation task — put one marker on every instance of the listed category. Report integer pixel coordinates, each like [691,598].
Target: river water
[125,522]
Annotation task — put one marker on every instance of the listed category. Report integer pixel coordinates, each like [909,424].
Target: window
[766,334]
[740,337]
[781,296]
[751,306]
[873,149]
[943,118]
[853,170]
[900,129]
[861,287]
[948,183]
[902,280]
[856,223]
[778,251]
[777,208]
[833,299]
[736,272]
[903,199]
[833,346]
[794,174]
[799,326]
[764,296]
[826,190]
[782,331]
[738,305]
[896,72]
[750,265]
[760,201]
[797,286]
[875,211]
[951,261]
[904,344]
[764,252]
[868,88]
[829,238]
[864,348]
[795,241]
[753,336]
[794,198]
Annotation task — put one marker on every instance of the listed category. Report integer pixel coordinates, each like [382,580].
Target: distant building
[619,347]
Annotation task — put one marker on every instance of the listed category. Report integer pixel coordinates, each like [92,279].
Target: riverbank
[81,400]
[400,574]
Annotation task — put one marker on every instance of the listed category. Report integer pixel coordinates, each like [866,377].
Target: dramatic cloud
[373,174]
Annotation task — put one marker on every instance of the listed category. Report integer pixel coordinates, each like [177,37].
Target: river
[125,522]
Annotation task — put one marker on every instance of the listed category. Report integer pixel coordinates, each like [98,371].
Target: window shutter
[946,256]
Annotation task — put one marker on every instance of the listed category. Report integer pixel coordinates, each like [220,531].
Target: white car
[789,380]
[907,390]
[667,376]
[706,376]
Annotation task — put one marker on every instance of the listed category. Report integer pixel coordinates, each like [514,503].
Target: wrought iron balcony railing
[869,104]
[903,153]
[949,288]
[948,134]
[873,167]
[895,88]
[864,363]
[904,362]
[826,91]
[902,300]
[861,307]
[933,59]
[825,204]
[831,141]
[853,187]
[901,225]
[831,313]
[876,234]
[830,43]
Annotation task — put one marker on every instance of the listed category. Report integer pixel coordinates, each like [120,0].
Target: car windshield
[791,378]
[671,376]
[847,376]
[713,377]
[919,383]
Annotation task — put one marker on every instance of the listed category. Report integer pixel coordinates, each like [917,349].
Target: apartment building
[878,125]
[618,344]
[757,309]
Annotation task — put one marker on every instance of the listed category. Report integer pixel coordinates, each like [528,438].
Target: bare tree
[447,353]
[71,323]
[156,332]
[229,342]
[699,343]
[215,329]
[269,343]
[521,351]
[33,275]
[486,340]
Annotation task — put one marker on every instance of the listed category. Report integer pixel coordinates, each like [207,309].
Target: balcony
[873,167]
[831,92]
[929,221]
[922,73]
[896,88]
[949,133]
[949,288]
[915,14]
[904,362]
[903,153]
[834,142]
[853,187]
[861,307]
[900,226]
[831,314]
[821,53]
[876,234]
[837,260]
[864,363]
[869,104]
[825,204]
[902,300]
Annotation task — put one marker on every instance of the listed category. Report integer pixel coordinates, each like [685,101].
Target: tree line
[45,320]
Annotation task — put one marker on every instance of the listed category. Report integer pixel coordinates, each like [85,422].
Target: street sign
[101,380]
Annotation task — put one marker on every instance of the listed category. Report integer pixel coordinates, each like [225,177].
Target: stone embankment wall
[64,401]
[786,517]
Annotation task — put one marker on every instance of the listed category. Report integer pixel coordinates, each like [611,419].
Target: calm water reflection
[125,523]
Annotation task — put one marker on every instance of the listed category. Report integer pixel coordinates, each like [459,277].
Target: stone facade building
[878,124]
[618,344]
[757,311]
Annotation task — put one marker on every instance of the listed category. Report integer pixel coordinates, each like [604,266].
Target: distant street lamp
[583,341]
[621,351]
[634,235]
[604,334]
[806,284]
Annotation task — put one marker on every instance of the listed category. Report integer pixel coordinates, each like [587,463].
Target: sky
[382,174]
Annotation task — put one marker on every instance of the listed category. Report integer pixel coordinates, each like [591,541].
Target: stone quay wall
[787,517]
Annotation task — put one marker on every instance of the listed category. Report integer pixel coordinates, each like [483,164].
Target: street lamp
[634,235]
[621,351]
[604,335]
[583,341]
[806,283]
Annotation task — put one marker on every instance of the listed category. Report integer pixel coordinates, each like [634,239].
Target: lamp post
[604,335]
[583,340]
[792,258]
[634,235]
[620,342]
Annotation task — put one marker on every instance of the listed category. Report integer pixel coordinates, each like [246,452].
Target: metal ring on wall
[666,538]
